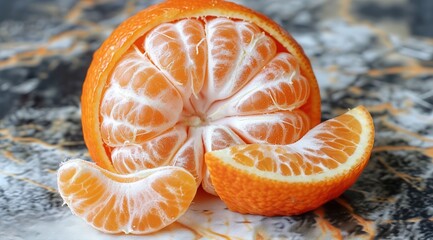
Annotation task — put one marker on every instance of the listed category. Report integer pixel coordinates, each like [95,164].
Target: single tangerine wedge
[137,203]
[292,179]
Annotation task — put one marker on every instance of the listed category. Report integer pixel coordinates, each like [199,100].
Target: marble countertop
[375,53]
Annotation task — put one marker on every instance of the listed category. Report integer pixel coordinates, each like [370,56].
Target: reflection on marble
[46,47]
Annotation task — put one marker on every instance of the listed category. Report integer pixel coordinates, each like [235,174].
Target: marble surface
[375,53]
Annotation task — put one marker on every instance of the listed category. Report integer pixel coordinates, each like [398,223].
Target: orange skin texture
[106,57]
[283,198]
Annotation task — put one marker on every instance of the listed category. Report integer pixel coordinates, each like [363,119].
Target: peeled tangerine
[182,79]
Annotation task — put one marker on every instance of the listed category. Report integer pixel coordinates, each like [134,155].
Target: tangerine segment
[179,51]
[295,178]
[237,50]
[138,203]
[274,128]
[278,86]
[139,102]
[218,137]
[150,154]
[191,154]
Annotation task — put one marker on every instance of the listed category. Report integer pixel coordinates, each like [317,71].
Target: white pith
[216,107]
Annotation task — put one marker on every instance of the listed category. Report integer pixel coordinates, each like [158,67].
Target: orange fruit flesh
[295,178]
[177,59]
[183,77]
[137,203]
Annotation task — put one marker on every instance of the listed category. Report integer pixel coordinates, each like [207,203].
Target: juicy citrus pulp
[142,202]
[291,179]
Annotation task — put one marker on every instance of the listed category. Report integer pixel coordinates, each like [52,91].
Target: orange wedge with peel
[292,179]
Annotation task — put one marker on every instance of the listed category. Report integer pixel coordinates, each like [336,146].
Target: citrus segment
[137,203]
[278,86]
[179,51]
[139,102]
[294,178]
[217,137]
[237,50]
[273,128]
[190,155]
[153,153]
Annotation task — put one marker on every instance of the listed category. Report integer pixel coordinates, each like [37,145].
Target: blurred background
[378,53]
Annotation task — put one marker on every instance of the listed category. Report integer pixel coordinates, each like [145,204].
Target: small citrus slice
[291,179]
[137,203]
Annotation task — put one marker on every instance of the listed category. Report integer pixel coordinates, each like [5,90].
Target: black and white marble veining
[377,54]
